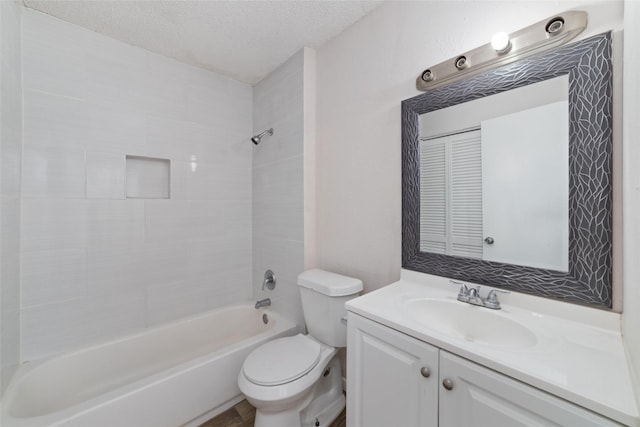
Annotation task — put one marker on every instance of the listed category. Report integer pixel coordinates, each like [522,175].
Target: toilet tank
[323,296]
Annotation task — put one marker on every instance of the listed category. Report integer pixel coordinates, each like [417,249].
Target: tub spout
[263,303]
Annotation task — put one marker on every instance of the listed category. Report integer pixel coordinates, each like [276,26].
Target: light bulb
[500,42]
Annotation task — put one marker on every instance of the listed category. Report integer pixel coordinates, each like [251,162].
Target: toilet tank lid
[327,283]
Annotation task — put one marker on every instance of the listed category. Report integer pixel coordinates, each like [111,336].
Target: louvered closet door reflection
[451,195]
[433,196]
[465,193]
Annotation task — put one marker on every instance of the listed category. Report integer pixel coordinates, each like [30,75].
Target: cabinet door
[481,397]
[392,379]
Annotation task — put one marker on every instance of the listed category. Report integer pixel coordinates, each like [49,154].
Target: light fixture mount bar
[543,35]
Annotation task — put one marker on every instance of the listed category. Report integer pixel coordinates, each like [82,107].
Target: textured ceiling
[245,40]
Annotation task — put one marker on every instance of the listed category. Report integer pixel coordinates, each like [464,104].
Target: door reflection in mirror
[494,178]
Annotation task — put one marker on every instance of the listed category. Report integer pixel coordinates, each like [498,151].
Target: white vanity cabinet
[386,388]
[392,378]
[482,397]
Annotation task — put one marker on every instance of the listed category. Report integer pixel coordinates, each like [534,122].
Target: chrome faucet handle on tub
[269,280]
[492,299]
[463,294]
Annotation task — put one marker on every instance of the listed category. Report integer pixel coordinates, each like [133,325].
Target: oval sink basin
[470,323]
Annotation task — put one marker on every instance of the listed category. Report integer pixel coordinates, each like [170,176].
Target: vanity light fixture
[504,49]
[501,43]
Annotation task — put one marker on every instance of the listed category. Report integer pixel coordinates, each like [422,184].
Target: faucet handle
[474,292]
[269,280]
[492,298]
[463,293]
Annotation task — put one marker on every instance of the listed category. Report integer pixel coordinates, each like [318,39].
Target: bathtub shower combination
[180,374]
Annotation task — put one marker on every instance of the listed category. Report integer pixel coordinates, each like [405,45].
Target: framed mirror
[557,241]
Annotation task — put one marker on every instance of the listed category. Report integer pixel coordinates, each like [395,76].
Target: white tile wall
[54,328]
[183,219]
[217,182]
[53,275]
[116,73]
[10,256]
[55,121]
[147,177]
[105,175]
[53,172]
[169,301]
[53,56]
[87,251]
[115,270]
[94,264]
[10,164]
[278,199]
[113,223]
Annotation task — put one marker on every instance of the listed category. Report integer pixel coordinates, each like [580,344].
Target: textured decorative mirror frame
[588,64]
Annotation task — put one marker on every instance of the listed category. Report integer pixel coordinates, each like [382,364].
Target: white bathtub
[179,374]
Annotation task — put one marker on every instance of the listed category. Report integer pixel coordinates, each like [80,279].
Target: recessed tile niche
[147,178]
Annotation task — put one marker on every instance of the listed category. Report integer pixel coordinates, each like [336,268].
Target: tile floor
[243,415]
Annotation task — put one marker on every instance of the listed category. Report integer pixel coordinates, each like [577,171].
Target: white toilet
[297,381]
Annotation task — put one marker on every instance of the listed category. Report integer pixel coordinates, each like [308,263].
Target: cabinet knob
[447,383]
[489,240]
[425,372]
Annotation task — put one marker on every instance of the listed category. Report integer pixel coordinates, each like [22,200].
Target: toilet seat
[282,360]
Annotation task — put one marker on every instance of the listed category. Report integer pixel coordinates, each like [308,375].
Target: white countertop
[579,355]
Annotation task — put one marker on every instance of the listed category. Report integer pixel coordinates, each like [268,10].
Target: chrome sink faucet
[472,296]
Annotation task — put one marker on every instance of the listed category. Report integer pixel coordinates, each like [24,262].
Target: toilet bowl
[282,379]
[297,381]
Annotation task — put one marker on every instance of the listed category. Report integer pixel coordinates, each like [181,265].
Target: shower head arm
[256,139]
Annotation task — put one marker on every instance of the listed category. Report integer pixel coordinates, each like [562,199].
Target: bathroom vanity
[418,357]
[553,355]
